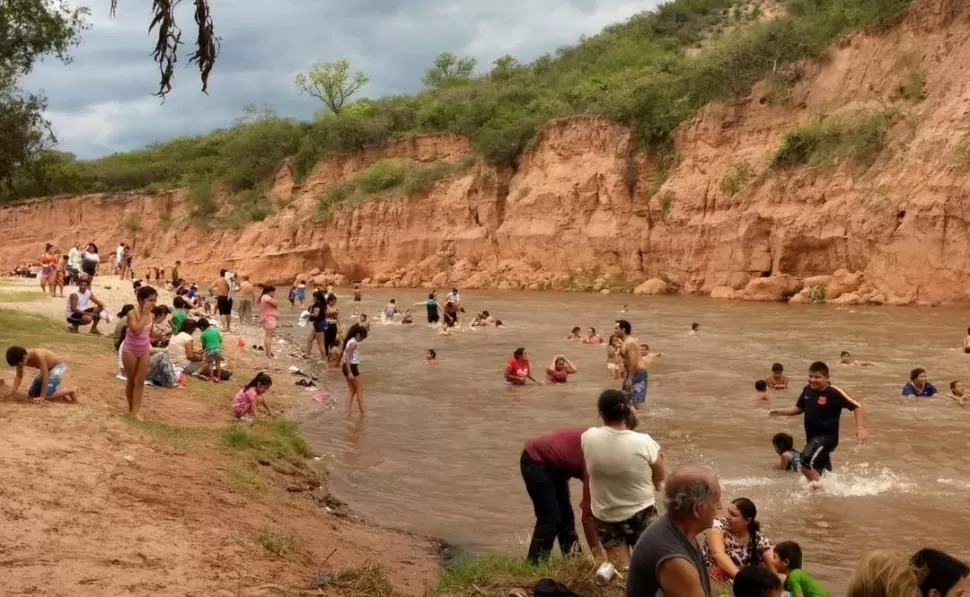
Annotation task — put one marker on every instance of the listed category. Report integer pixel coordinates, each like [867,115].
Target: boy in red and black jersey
[822,404]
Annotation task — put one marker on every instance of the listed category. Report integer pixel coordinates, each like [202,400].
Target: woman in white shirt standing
[350,365]
[625,469]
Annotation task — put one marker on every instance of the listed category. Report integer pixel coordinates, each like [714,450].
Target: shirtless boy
[50,369]
[220,288]
[777,380]
[635,374]
[957,393]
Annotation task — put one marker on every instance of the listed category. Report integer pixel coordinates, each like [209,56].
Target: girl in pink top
[136,348]
[249,398]
[269,316]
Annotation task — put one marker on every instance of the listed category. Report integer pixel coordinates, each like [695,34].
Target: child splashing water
[250,398]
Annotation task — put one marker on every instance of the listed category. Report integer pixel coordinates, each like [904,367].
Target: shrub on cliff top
[403,178]
[830,141]
[636,72]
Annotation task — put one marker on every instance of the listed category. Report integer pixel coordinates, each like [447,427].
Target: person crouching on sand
[50,371]
[250,398]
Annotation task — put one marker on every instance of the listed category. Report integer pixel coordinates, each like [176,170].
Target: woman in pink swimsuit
[136,350]
[269,316]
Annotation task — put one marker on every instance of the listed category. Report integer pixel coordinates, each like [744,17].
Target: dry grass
[498,576]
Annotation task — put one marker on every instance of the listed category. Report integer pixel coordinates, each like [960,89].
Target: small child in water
[788,561]
[694,328]
[784,446]
[957,393]
[250,398]
[760,390]
[777,380]
[575,334]
[846,359]
[430,358]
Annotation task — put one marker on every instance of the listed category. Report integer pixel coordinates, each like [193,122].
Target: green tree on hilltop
[331,82]
[448,68]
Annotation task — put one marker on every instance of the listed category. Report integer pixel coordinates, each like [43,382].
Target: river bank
[187,502]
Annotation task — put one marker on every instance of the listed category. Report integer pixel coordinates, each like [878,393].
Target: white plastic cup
[604,574]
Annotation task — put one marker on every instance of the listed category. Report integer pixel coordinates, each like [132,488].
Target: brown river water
[438,453]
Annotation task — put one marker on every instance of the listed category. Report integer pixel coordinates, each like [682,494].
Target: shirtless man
[220,287]
[635,374]
[245,307]
[50,370]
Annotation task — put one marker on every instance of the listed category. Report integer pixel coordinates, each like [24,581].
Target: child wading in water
[788,561]
[760,390]
[250,398]
[431,357]
[50,370]
[777,380]
[784,446]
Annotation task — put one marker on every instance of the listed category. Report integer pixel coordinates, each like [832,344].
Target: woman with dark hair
[318,322]
[90,260]
[331,316]
[517,368]
[625,470]
[136,348]
[350,365]
[940,574]
[735,541]
[918,385]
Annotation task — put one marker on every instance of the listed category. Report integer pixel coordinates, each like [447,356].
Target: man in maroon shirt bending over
[548,463]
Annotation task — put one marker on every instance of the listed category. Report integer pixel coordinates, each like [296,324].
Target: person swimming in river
[957,393]
[592,337]
[390,311]
[760,390]
[694,329]
[846,359]
[614,361]
[575,334]
[407,318]
[918,386]
[560,370]
[777,380]
[430,357]
[791,458]
[517,369]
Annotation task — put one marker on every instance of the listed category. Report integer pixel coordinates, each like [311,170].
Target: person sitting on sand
[161,332]
[957,392]
[185,352]
[575,334]
[50,371]
[784,445]
[430,357]
[517,370]
[592,337]
[918,386]
[760,391]
[788,562]
[694,329]
[80,310]
[250,398]
[777,380]
[560,370]
[846,359]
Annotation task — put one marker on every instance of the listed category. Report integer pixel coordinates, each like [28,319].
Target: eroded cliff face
[584,209]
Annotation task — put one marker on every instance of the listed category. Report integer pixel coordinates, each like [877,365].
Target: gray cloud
[102,102]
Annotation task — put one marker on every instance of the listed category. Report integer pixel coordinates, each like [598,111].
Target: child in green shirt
[212,343]
[798,582]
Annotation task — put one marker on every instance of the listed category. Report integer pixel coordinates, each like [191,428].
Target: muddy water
[439,450]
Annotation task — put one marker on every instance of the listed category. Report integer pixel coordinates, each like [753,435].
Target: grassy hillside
[637,73]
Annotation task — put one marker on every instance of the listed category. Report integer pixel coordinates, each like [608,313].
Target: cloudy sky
[102,102]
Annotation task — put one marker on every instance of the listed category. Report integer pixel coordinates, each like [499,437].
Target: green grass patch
[737,177]
[178,436]
[35,331]
[497,574]
[835,140]
[281,546]
[273,440]
[402,178]
[247,480]
[24,296]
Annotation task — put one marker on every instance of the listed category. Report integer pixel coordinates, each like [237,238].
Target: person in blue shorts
[822,404]
[50,371]
[635,378]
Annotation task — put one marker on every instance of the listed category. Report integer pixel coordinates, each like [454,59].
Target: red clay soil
[92,504]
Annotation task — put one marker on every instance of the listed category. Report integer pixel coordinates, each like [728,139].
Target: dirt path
[93,503]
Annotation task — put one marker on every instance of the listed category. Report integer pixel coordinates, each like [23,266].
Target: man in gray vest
[667,558]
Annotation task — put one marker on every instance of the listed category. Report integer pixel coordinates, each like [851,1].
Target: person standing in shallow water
[635,374]
[822,405]
[350,365]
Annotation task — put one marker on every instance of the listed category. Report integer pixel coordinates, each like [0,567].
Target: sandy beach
[187,502]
